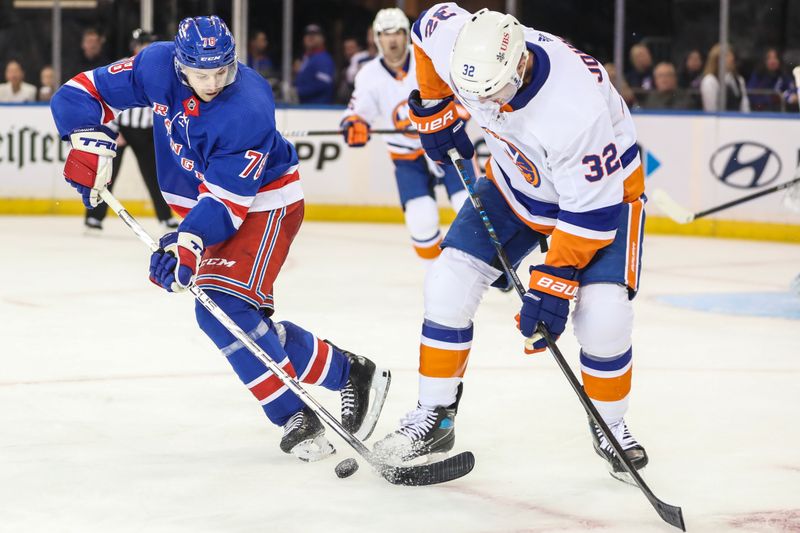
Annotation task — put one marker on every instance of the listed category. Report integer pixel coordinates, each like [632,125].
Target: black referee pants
[141,142]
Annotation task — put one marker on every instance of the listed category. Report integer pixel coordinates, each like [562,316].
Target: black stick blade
[432,473]
[671,514]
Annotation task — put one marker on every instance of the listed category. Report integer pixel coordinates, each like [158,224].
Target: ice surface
[118,415]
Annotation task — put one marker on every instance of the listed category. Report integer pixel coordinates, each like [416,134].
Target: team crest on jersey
[525,165]
[401,120]
[191,107]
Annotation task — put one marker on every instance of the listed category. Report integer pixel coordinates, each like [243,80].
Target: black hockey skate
[359,413]
[304,437]
[633,450]
[423,432]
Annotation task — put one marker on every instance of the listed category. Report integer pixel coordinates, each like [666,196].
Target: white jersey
[562,149]
[380,98]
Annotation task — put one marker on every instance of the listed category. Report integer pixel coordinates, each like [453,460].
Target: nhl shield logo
[191,107]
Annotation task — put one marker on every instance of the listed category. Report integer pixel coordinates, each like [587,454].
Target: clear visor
[210,81]
[503,95]
[494,100]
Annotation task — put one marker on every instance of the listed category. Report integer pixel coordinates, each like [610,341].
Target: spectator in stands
[15,90]
[361,57]
[258,60]
[691,71]
[735,90]
[314,79]
[621,86]
[93,54]
[770,77]
[640,76]
[47,83]
[667,94]
[350,47]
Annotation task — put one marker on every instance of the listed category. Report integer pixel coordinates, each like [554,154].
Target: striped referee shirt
[137,117]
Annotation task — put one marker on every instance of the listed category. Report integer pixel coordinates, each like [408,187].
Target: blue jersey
[216,160]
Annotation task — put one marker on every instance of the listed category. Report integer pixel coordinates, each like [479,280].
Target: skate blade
[435,457]
[623,476]
[312,450]
[379,388]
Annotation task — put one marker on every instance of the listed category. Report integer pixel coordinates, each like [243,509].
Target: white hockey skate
[633,450]
[304,437]
[428,432]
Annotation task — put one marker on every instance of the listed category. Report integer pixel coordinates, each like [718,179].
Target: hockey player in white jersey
[565,164]
[381,98]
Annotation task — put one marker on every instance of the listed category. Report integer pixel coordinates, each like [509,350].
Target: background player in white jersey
[565,164]
[381,97]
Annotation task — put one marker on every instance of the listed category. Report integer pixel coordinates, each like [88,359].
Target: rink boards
[700,160]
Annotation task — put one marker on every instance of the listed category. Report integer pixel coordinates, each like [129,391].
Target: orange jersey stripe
[440,363]
[431,86]
[607,389]
[634,185]
[567,249]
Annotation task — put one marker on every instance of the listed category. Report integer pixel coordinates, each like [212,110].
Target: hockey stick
[681,215]
[669,513]
[427,474]
[314,133]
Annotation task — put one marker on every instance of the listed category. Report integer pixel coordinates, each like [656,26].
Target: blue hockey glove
[547,301]
[440,128]
[88,165]
[174,265]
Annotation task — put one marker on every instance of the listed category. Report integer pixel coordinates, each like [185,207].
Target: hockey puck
[346,468]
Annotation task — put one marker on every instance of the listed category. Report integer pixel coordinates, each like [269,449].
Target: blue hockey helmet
[204,43]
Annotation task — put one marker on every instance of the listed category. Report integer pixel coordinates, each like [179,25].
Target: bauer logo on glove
[547,301]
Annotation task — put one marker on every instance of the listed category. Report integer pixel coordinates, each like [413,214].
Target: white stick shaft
[241,336]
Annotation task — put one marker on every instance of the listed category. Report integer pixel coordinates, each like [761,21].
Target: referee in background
[136,130]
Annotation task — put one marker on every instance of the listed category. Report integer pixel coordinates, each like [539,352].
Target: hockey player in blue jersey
[224,167]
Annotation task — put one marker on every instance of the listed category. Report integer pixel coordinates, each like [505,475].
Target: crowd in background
[694,84]
[318,79]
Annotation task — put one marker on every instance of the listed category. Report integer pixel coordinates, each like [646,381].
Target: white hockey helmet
[485,56]
[390,20]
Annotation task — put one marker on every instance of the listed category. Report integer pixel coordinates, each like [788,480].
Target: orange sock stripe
[607,389]
[440,363]
[429,252]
